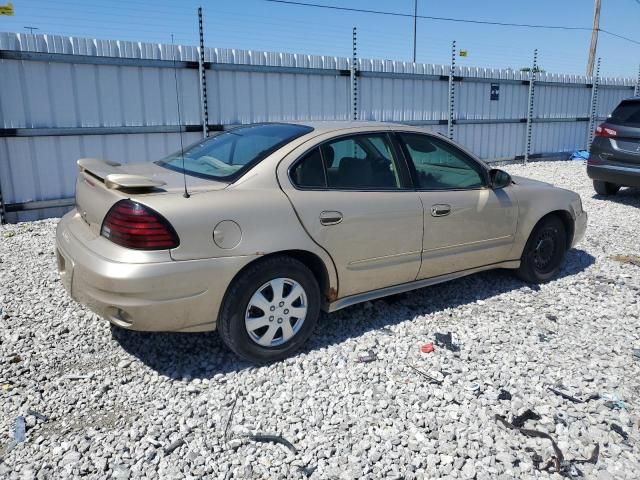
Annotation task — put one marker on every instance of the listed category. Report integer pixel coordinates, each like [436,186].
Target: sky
[267,26]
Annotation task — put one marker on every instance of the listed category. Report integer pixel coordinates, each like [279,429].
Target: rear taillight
[133,225]
[605,131]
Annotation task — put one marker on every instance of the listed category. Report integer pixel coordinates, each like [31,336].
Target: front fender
[535,201]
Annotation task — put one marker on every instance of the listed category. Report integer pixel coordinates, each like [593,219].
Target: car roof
[322,126]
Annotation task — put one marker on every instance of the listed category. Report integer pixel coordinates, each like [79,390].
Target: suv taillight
[605,131]
[132,225]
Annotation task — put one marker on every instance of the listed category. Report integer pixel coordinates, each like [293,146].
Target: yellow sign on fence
[7,9]
[464,53]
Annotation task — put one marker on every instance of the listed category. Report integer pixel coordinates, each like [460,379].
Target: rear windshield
[627,113]
[229,154]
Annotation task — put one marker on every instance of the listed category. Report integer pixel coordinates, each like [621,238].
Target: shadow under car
[203,355]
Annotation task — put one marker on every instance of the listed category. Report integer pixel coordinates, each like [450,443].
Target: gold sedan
[255,230]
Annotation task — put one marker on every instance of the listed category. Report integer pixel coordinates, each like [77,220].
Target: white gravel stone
[115,400]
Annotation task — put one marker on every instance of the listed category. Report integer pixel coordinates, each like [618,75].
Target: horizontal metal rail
[234,67]
[129,129]
[144,62]
[141,129]
[93,59]
[39,204]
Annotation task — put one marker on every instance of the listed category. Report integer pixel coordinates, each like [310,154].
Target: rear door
[353,195]
[626,121]
[466,223]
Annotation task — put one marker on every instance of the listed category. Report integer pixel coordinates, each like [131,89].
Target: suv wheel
[605,188]
[544,252]
[270,310]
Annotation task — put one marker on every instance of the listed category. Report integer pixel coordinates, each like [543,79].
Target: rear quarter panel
[267,221]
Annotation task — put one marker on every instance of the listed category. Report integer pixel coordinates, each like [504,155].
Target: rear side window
[361,162]
[358,162]
[627,113]
[309,172]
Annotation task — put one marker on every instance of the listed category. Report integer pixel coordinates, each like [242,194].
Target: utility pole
[31,29]
[415,27]
[594,38]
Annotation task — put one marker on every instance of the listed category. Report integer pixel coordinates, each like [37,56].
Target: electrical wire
[427,17]
[620,36]
[451,19]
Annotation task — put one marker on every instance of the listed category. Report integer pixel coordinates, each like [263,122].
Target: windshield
[231,153]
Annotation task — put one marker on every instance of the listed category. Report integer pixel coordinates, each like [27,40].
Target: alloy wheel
[276,312]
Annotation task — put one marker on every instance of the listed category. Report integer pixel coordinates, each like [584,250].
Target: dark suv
[614,159]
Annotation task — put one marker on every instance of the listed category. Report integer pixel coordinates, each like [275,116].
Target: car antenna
[175,78]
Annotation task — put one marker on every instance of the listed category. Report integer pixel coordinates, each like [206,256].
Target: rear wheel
[605,188]
[270,310]
[544,252]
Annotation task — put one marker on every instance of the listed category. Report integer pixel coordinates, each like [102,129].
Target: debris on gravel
[117,404]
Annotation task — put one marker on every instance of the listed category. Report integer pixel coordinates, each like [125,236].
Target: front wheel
[605,188]
[270,310]
[544,252]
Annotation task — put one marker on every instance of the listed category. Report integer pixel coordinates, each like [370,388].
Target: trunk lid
[624,148]
[625,120]
[101,183]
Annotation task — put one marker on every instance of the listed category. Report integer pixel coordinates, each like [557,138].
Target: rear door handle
[330,217]
[440,210]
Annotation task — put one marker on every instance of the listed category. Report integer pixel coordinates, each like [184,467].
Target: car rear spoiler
[113,176]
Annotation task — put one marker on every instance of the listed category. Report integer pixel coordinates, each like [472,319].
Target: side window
[308,171]
[361,162]
[440,166]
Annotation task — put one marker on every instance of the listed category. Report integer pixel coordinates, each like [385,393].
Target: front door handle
[440,210]
[330,217]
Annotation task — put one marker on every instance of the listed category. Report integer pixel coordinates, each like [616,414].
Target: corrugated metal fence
[62,98]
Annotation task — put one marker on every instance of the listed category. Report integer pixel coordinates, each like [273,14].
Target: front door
[354,198]
[466,223]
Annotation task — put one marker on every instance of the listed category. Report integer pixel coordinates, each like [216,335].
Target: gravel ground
[116,402]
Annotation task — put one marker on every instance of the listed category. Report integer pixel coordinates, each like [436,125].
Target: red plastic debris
[427,348]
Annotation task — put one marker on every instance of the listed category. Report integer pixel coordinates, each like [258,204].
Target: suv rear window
[627,113]
[229,154]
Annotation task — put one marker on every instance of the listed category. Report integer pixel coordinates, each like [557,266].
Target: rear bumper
[617,174]
[159,296]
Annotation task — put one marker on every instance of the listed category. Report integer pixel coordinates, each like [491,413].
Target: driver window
[361,162]
[439,165]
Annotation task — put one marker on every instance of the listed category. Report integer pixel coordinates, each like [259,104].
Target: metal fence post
[452,93]
[636,90]
[353,75]
[532,90]
[3,217]
[204,108]
[594,105]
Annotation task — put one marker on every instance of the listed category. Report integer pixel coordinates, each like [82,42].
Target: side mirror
[499,178]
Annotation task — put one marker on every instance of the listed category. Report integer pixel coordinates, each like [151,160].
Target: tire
[544,252]
[239,307]
[605,188]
